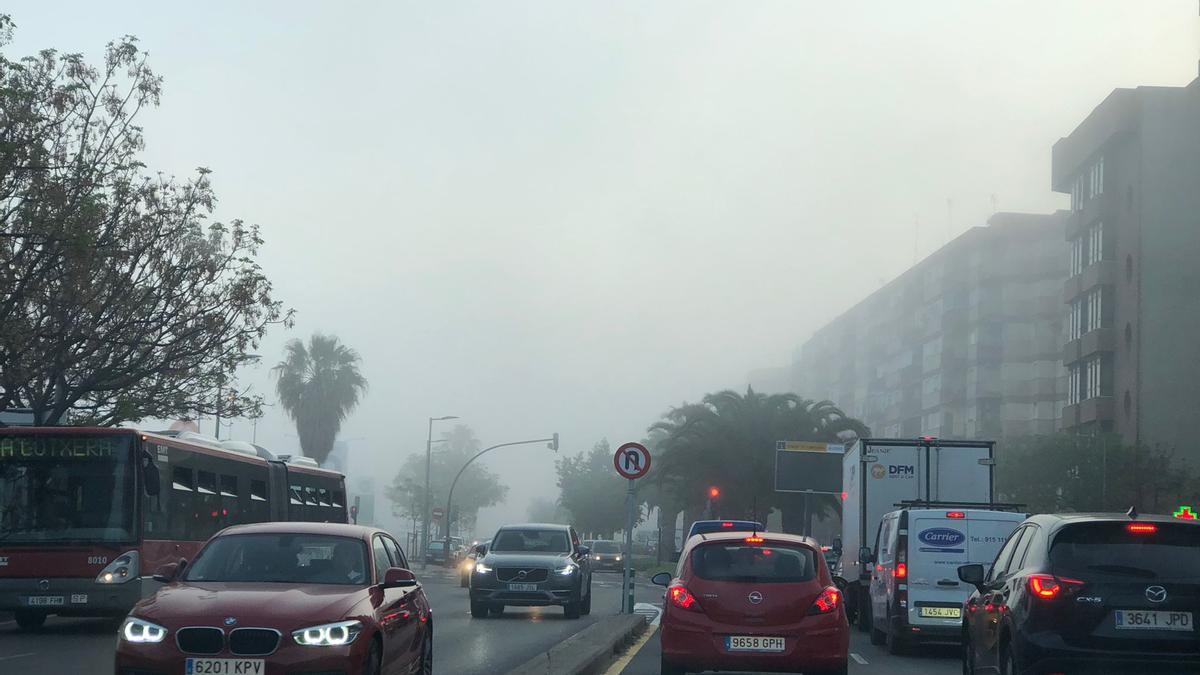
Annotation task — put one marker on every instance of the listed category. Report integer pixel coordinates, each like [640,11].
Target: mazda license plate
[939,612]
[1129,619]
[522,587]
[45,600]
[753,643]
[225,667]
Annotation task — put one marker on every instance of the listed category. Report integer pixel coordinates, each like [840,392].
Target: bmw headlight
[480,568]
[567,570]
[328,635]
[140,631]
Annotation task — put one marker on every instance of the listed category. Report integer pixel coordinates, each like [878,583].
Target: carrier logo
[942,536]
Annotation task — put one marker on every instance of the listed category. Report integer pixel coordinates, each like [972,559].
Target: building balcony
[1093,342]
[1103,273]
[1092,410]
[1094,209]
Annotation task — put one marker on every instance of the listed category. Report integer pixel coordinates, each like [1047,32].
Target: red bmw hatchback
[281,599]
[744,601]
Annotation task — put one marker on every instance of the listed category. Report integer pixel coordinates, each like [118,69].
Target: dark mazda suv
[530,566]
[1087,593]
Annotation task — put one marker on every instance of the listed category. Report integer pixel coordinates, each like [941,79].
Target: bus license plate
[522,587]
[225,667]
[45,600]
[1127,619]
[753,643]
[940,612]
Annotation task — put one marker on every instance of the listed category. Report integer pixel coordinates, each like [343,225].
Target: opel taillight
[1048,586]
[827,601]
[682,598]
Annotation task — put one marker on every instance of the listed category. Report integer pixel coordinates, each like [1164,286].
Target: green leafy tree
[728,440]
[319,384]
[119,300]
[478,488]
[543,510]
[592,491]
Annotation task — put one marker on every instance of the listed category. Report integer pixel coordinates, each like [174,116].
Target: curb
[589,651]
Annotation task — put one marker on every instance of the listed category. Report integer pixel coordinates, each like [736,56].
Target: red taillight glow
[956,514]
[682,598]
[726,524]
[1142,528]
[901,571]
[1048,586]
[843,495]
[754,540]
[827,601]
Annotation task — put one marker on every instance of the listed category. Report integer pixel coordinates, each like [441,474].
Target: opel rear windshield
[745,562]
[1128,550]
[65,488]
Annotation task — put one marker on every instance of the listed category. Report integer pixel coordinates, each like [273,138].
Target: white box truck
[879,474]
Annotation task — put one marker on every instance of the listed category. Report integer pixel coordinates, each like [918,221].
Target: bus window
[229,486]
[181,479]
[323,497]
[258,490]
[297,495]
[339,501]
[206,482]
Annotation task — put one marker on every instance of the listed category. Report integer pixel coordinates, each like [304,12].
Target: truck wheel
[29,620]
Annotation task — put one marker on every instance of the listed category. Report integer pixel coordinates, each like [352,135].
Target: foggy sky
[568,216]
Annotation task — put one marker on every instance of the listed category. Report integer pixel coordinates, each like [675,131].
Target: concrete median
[588,652]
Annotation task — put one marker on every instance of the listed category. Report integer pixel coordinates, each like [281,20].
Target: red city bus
[88,514]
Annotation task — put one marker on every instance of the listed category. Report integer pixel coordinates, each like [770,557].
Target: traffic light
[714,492]
[553,444]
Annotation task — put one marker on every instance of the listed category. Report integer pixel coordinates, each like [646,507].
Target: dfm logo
[902,471]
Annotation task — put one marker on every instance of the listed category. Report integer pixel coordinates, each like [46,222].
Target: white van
[914,591]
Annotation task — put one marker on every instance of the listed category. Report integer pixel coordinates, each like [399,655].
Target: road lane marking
[15,656]
[858,659]
[623,662]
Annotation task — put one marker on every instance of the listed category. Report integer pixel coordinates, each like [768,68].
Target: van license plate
[753,643]
[522,587]
[940,612]
[1127,619]
[225,667]
[45,600]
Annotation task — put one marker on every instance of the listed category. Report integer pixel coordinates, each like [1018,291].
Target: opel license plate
[1128,619]
[45,600]
[522,587]
[940,612]
[225,667]
[753,643]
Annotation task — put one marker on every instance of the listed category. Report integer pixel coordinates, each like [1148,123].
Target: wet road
[462,645]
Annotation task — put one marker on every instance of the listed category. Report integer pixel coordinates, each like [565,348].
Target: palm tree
[319,385]
[728,440]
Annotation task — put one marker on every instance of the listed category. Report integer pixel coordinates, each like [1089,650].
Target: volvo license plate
[522,587]
[225,667]
[1129,619]
[753,643]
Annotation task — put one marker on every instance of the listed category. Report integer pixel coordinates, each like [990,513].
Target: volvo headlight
[141,631]
[567,570]
[328,635]
[480,568]
[124,568]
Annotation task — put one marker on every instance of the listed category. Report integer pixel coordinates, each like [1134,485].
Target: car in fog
[764,602]
[1087,593]
[477,551]
[607,555]
[533,565]
[283,598]
[436,552]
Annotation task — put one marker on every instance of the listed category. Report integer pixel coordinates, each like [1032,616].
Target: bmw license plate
[45,600]
[225,667]
[1127,619]
[753,643]
[522,587]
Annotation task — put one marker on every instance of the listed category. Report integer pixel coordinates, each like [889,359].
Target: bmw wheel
[427,654]
[371,666]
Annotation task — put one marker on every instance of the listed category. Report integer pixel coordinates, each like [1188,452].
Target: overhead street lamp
[428,494]
[551,443]
[245,358]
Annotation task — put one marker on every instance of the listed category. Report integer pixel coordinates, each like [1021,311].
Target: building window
[1093,378]
[1095,304]
[1073,384]
[1077,248]
[1076,327]
[1095,237]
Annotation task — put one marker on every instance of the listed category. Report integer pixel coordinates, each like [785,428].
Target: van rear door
[937,545]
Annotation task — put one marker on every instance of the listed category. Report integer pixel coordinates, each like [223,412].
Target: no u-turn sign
[632,460]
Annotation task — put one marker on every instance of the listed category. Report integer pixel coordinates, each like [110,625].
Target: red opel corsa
[744,601]
[283,598]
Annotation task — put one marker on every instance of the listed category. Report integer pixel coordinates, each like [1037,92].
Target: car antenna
[1132,513]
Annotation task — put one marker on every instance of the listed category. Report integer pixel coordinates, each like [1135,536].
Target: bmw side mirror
[972,574]
[865,555]
[166,573]
[396,577]
[661,579]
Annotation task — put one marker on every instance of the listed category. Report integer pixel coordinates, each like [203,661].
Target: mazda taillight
[827,601]
[682,598]
[1048,586]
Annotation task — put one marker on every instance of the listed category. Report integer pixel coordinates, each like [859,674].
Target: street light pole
[428,494]
[551,443]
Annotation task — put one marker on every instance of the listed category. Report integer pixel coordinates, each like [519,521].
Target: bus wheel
[29,620]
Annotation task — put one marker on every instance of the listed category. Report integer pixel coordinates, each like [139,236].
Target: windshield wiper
[1126,570]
